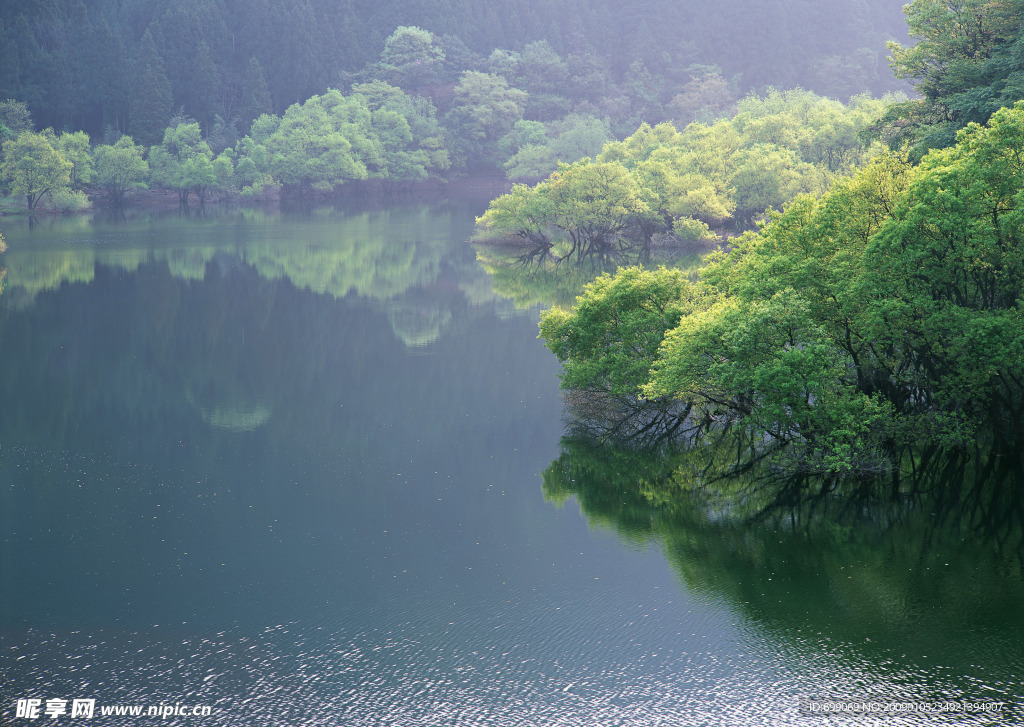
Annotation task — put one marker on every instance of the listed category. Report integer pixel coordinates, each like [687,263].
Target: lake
[310,468]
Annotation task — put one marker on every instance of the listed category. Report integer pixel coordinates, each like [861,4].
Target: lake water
[309,469]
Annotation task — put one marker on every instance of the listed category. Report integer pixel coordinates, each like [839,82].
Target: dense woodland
[885,313]
[308,96]
[87,64]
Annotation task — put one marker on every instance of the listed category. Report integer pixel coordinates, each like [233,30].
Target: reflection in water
[529,282]
[234,483]
[331,253]
[920,575]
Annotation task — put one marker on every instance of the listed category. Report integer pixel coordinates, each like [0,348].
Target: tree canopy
[885,312]
[33,167]
[666,181]
[966,63]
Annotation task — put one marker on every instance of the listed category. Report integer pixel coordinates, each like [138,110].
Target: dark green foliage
[153,102]
[72,62]
[967,63]
[255,96]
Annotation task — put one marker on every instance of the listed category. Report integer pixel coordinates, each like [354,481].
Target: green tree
[255,99]
[32,167]
[183,162]
[153,101]
[14,119]
[966,64]
[74,146]
[527,213]
[538,148]
[411,57]
[121,167]
[949,266]
[484,109]
[594,204]
[321,144]
[884,313]
[424,148]
[706,97]
[610,340]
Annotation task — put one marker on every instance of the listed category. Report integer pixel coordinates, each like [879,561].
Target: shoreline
[166,200]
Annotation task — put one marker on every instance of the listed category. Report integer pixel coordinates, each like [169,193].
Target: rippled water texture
[288,466]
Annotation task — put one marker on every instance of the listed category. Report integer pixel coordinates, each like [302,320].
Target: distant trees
[484,109]
[255,95]
[534,149]
[14,119]
[84,65]
[411,58]
[152,98]
[183,162]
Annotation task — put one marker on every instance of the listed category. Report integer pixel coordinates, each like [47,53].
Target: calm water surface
[288,466]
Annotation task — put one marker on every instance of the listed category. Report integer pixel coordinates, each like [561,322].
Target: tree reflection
[395,257]
[924,566]
[530,280]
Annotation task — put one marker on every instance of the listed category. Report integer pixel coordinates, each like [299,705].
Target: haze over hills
[80,65]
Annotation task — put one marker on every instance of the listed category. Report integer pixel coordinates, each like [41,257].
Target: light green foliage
[777,147]
[691,230]
[585,210]
[252,169]
[263,126]
[69,200]
[121,167]
[523,212]
[767,176]
[75,148]
[887,311]
[820,131]
[379,132]
[322,143]
[415,155]
[224,169]
[32,166]
[594,204]
[183,162]
[610,339]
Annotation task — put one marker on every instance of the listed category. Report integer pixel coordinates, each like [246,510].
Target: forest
[224,98]
[882,314]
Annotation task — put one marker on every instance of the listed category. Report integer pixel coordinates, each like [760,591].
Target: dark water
[289,466]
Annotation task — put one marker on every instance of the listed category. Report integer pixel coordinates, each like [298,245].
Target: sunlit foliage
[885,312]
